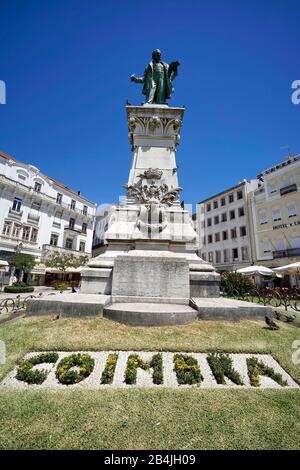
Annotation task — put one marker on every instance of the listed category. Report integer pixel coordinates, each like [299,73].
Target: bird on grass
[271,324]
[289,318]
[56,317]
[278,315]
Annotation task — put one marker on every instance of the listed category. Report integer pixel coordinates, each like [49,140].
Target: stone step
[150,314]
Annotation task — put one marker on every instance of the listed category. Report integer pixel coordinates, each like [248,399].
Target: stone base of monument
[223,308]
[150,314]
[137,312]
[68,305]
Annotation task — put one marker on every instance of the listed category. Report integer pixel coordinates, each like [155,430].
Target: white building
[275,208]
[38,214]
[223,227]
[102,221]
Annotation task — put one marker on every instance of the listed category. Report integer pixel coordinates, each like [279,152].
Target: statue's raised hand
[133,77]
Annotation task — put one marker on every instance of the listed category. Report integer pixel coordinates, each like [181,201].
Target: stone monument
[151,261]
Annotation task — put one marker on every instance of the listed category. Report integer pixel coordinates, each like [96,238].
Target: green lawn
[141,418]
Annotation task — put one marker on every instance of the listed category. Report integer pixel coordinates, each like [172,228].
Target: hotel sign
[292,224]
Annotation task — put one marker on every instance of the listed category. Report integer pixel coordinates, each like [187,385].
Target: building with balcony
[38,213]
[275,214]
[223,227]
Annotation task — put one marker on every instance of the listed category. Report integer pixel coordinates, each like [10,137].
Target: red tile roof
[7,157]
[61,185]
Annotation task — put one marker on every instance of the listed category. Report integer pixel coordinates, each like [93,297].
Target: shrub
[25,372]
[18,289]
[133,362]
[109,370]
[157,364]
[235,282]
[221,367]
[60,286]
[257,368]
[187,369]
[66,376]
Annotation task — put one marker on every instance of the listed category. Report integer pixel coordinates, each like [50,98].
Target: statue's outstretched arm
[135,79]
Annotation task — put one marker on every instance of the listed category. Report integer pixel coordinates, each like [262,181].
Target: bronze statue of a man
[157,79]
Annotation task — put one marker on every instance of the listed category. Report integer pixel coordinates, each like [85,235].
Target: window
[37,187]
[84,210]
[17,204]
[224,217]
[36,205]
[280,245]
[272,188]
[82,246]
[263,218]
[243,231]
[267,247]
[209,239]
[276,215]
[292,210]
[34,234]
[16,230]
[26,233]
[208,207]
[233,233]
[217,237]
[69,244]
[287,181]
[216,219]
[218,257]
[71,223]
[209,222]
[204,240]
[245,256]
[7,228]
[223,201]
[295,242]
[210,257]
[226,256]
[84,227]
[73,204]
[232,214]
[239,194]
[53,239]
[203,256]
[215,204]
[225,235]
[241,211]
[230,198]
[21,177]
[235,253]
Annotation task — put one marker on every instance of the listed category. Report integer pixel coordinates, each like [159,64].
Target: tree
[63,261]
[25,263]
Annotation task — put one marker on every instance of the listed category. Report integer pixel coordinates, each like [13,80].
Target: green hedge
[18,289]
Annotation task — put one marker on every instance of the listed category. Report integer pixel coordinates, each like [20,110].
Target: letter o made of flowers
[83,363]
[25,372]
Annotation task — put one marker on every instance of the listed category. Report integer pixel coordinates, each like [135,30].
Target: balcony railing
[15,212]
[33,217]
[288,189]
[52,248]
[290,252]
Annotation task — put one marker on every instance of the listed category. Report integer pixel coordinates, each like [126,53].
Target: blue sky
[67,65]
